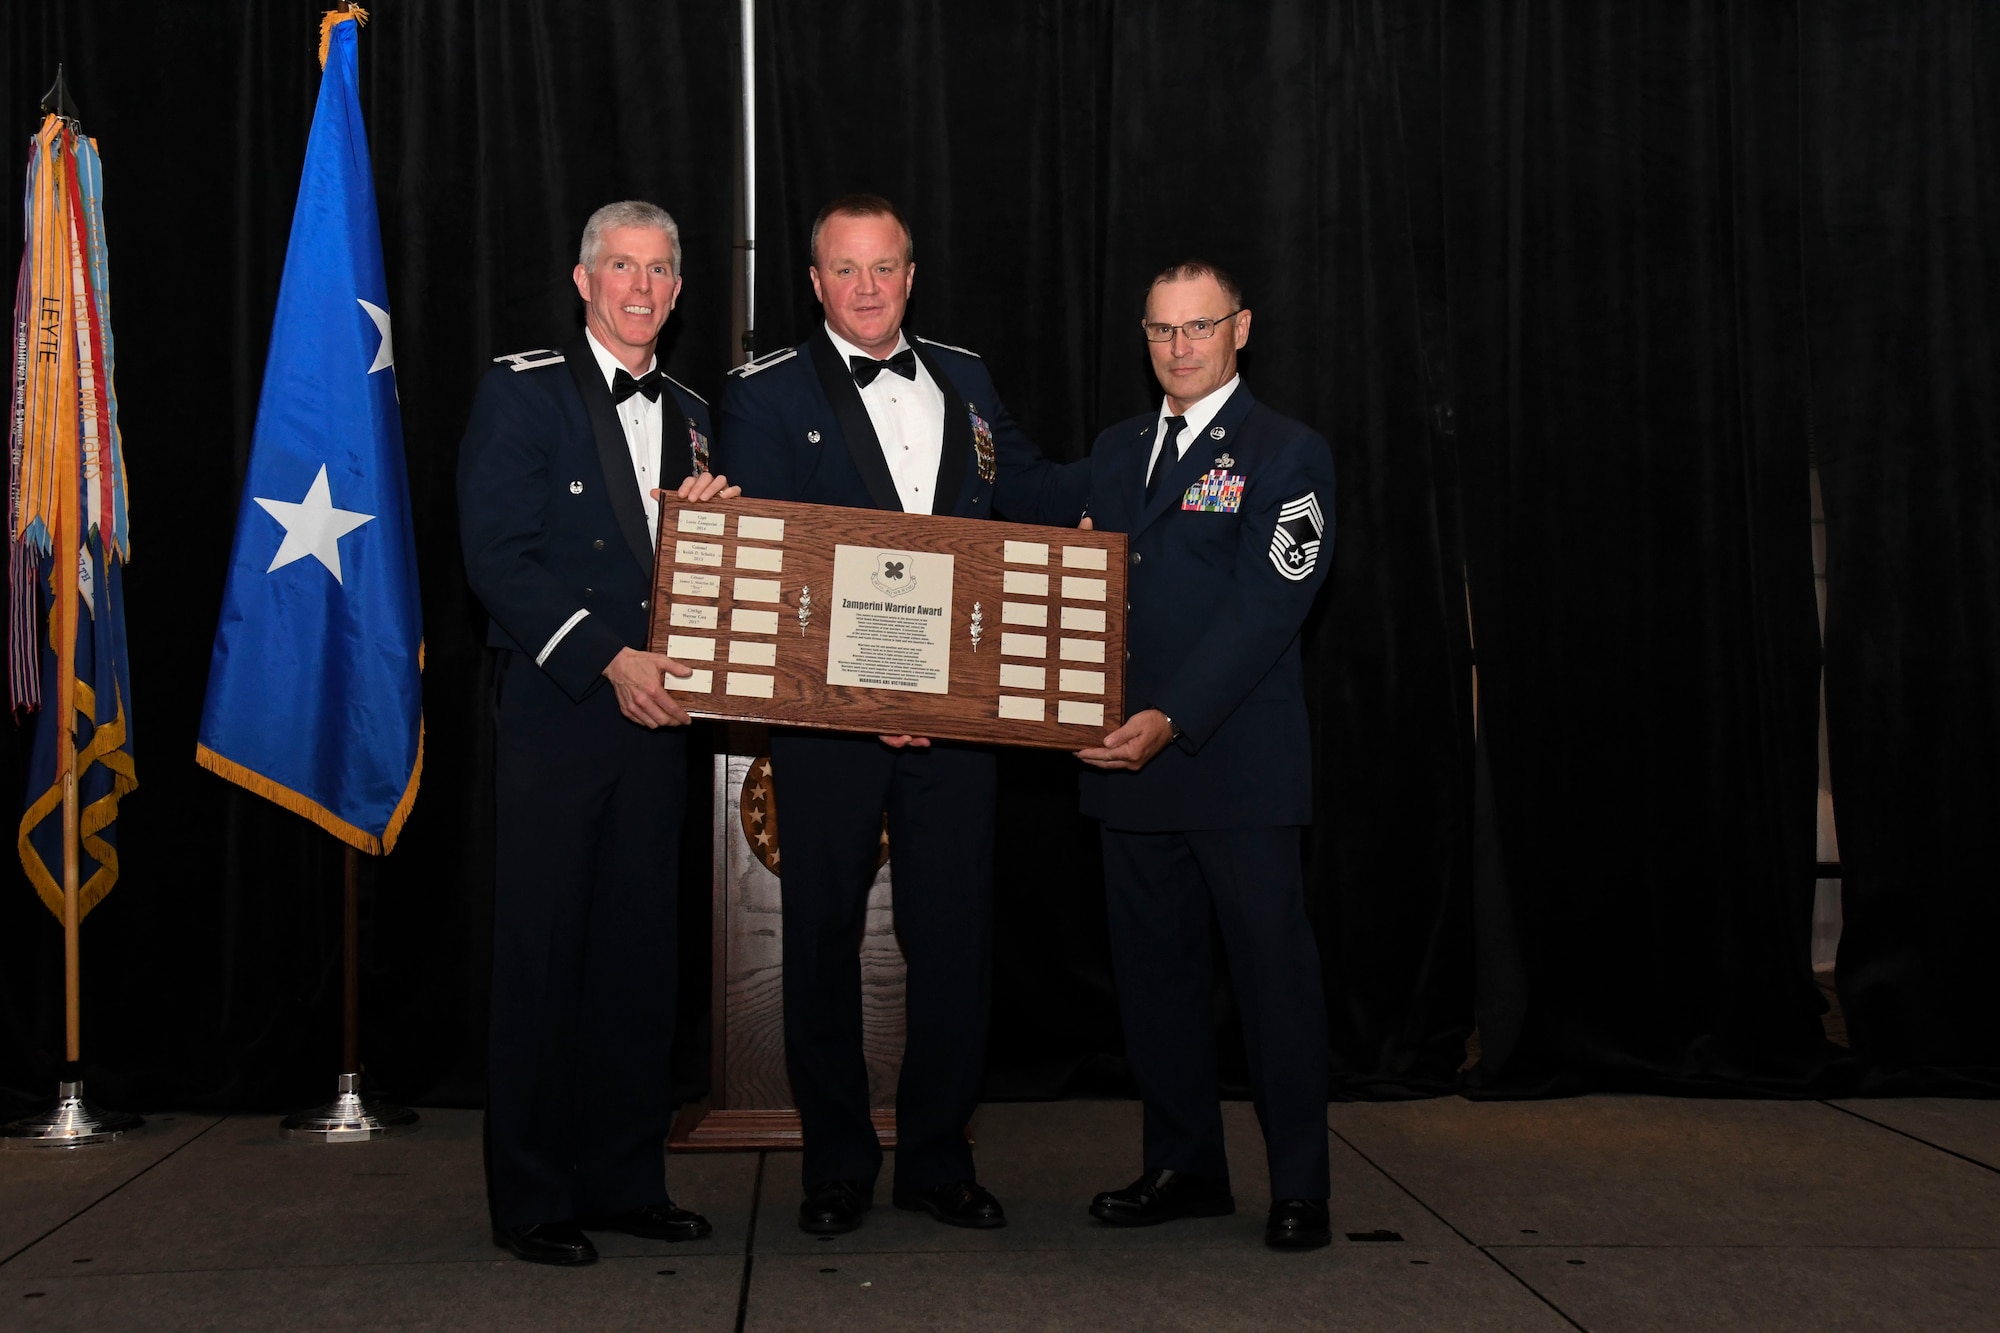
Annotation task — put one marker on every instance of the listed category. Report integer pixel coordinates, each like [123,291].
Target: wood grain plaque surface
[871,621]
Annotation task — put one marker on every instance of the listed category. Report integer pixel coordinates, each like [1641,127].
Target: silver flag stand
[72,1123]
[350,1117]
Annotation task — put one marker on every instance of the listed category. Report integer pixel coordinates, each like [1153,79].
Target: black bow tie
[866,368]
[623,386]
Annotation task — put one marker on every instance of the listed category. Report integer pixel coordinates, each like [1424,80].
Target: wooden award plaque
[865,620]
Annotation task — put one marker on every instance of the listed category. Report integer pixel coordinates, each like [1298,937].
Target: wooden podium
[869,621]
[750,1097]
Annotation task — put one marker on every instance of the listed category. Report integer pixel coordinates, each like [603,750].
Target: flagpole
[72,920]
[349,1117]
[746,333]
[350,962]
[73,1122]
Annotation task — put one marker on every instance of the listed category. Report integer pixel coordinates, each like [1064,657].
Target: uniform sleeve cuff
[543,656]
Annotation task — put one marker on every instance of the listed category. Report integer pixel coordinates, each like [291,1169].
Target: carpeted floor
[1604,1213]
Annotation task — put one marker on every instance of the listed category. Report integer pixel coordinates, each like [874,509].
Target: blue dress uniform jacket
[792,426]
[1225,562]
[550,516]
[588,804]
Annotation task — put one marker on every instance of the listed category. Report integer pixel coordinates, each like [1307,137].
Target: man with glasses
[863,415]
[1202,792]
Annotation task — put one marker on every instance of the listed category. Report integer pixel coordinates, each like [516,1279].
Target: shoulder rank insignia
[1295,541]
[982,444]
[1218,492]
[962,351]
[541,356]
[749,368]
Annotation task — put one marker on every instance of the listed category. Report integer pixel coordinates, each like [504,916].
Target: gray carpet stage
[1602,1213]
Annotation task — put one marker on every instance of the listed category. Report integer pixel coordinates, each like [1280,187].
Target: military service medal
[698,450]
[982,444]
[1218,492]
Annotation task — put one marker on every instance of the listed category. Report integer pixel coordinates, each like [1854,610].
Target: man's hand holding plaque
[1133,745]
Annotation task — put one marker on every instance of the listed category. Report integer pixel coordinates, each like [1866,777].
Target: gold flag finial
[332,17]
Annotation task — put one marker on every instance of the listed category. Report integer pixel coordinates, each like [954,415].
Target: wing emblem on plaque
[758,809]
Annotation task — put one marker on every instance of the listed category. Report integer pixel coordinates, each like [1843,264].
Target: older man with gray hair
[558,484]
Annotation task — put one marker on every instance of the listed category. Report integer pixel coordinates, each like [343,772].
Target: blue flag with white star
[315,694]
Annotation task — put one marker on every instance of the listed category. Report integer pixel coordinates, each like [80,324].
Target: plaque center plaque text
[891,622]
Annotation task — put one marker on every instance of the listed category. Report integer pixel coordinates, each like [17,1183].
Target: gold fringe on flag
[300,804]
[333,17]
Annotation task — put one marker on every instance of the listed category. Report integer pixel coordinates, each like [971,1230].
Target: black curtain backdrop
[1044,193]
[1902,230]
[1565,286]
[1625,318]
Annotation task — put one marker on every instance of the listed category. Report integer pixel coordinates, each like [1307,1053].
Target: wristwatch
[1173,730]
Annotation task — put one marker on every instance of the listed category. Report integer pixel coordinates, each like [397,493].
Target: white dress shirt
[641,417]
[1199,414]
[908,416]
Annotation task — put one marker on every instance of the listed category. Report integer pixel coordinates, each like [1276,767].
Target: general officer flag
[67,531]
[314,690]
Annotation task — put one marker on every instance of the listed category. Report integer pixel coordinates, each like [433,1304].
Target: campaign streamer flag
[315,691]
[67,534]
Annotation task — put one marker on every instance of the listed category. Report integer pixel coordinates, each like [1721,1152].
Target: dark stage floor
[1602,1213]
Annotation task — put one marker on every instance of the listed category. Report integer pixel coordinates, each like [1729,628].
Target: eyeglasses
[1195,329]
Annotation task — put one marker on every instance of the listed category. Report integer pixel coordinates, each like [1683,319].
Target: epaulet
[541,356]
[749,368]
[932,342]
[689,392]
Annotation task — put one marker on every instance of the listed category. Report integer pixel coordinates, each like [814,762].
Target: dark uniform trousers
[939,802]
[1161,888]
[588,815]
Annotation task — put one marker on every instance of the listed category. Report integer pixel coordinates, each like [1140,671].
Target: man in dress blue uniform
[862,415]
[558,512]
[1203,790]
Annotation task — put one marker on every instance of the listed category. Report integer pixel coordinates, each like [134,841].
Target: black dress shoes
[835,1207]
[547,1243]
[654,1221]
[1162,1196]
[1298,1224]
[962,1203]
